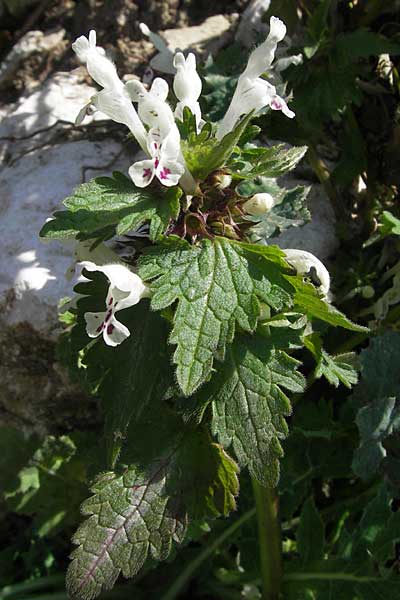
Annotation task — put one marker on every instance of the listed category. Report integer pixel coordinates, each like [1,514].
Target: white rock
[59,99]
[210,35]
[251,24]
[32,273]
[31,42]
[318,236]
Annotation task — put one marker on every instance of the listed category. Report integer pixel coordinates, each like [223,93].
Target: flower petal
[142,172]
[159,88]
[169,172]
[120,277]
[304,262]
[94,323]
[115,332]
[278,103]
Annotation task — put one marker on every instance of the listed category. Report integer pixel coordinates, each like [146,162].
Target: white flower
[113,100]
[187,86]
[152,106]
[306,263]
[259,204]
[84,251]
[283,63]
[125,290]
[163,164]
[155,112]
[252,92]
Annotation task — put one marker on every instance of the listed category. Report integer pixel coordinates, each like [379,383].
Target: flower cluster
[149,117]
[153,123]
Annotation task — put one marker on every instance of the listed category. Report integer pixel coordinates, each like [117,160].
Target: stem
[269,537]
[188,571]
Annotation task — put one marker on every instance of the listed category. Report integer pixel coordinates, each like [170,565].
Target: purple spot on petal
[156,162]
[100,328]
[147,173]
[110,301]
[108,316]
[110,329]
[276,105]
[164,173]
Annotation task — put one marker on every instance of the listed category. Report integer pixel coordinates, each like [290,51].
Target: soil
[116,23]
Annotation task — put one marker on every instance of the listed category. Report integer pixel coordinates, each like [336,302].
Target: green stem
[187,573]
[269,539]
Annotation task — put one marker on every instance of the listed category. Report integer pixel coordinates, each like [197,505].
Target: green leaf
[362,43]
[268,162]
[307,300]
[310,534]
[375,422]
[212,154]
[337,369]
[389,224]
[361,565]
[51,482]
[140,513]
[289,210]
[112,202]
[249,405]
[217,284]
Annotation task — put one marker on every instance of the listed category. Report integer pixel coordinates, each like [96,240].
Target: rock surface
[319,235]
[37,175]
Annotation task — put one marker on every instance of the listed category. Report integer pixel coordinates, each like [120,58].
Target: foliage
[233,364]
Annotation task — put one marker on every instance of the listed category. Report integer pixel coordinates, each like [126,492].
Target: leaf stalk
[269,539]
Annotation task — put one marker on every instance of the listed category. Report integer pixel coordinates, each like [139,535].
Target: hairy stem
[269,539]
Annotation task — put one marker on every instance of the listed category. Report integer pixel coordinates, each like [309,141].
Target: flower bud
[367,292]
[259,204]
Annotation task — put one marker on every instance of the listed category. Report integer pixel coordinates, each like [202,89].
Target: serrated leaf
[307,300]
[289,210]
[337,369]
[143,511]
[268,162]
[212,154]
[217,284]
[112,202]
[310,534]
[249,406]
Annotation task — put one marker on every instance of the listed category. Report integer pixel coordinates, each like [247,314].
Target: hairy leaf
[217,284]
[337,369]
[268,162]
[289,210]
[307,300]
[112,202]
[203,157]
[141,512]
[249,406]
